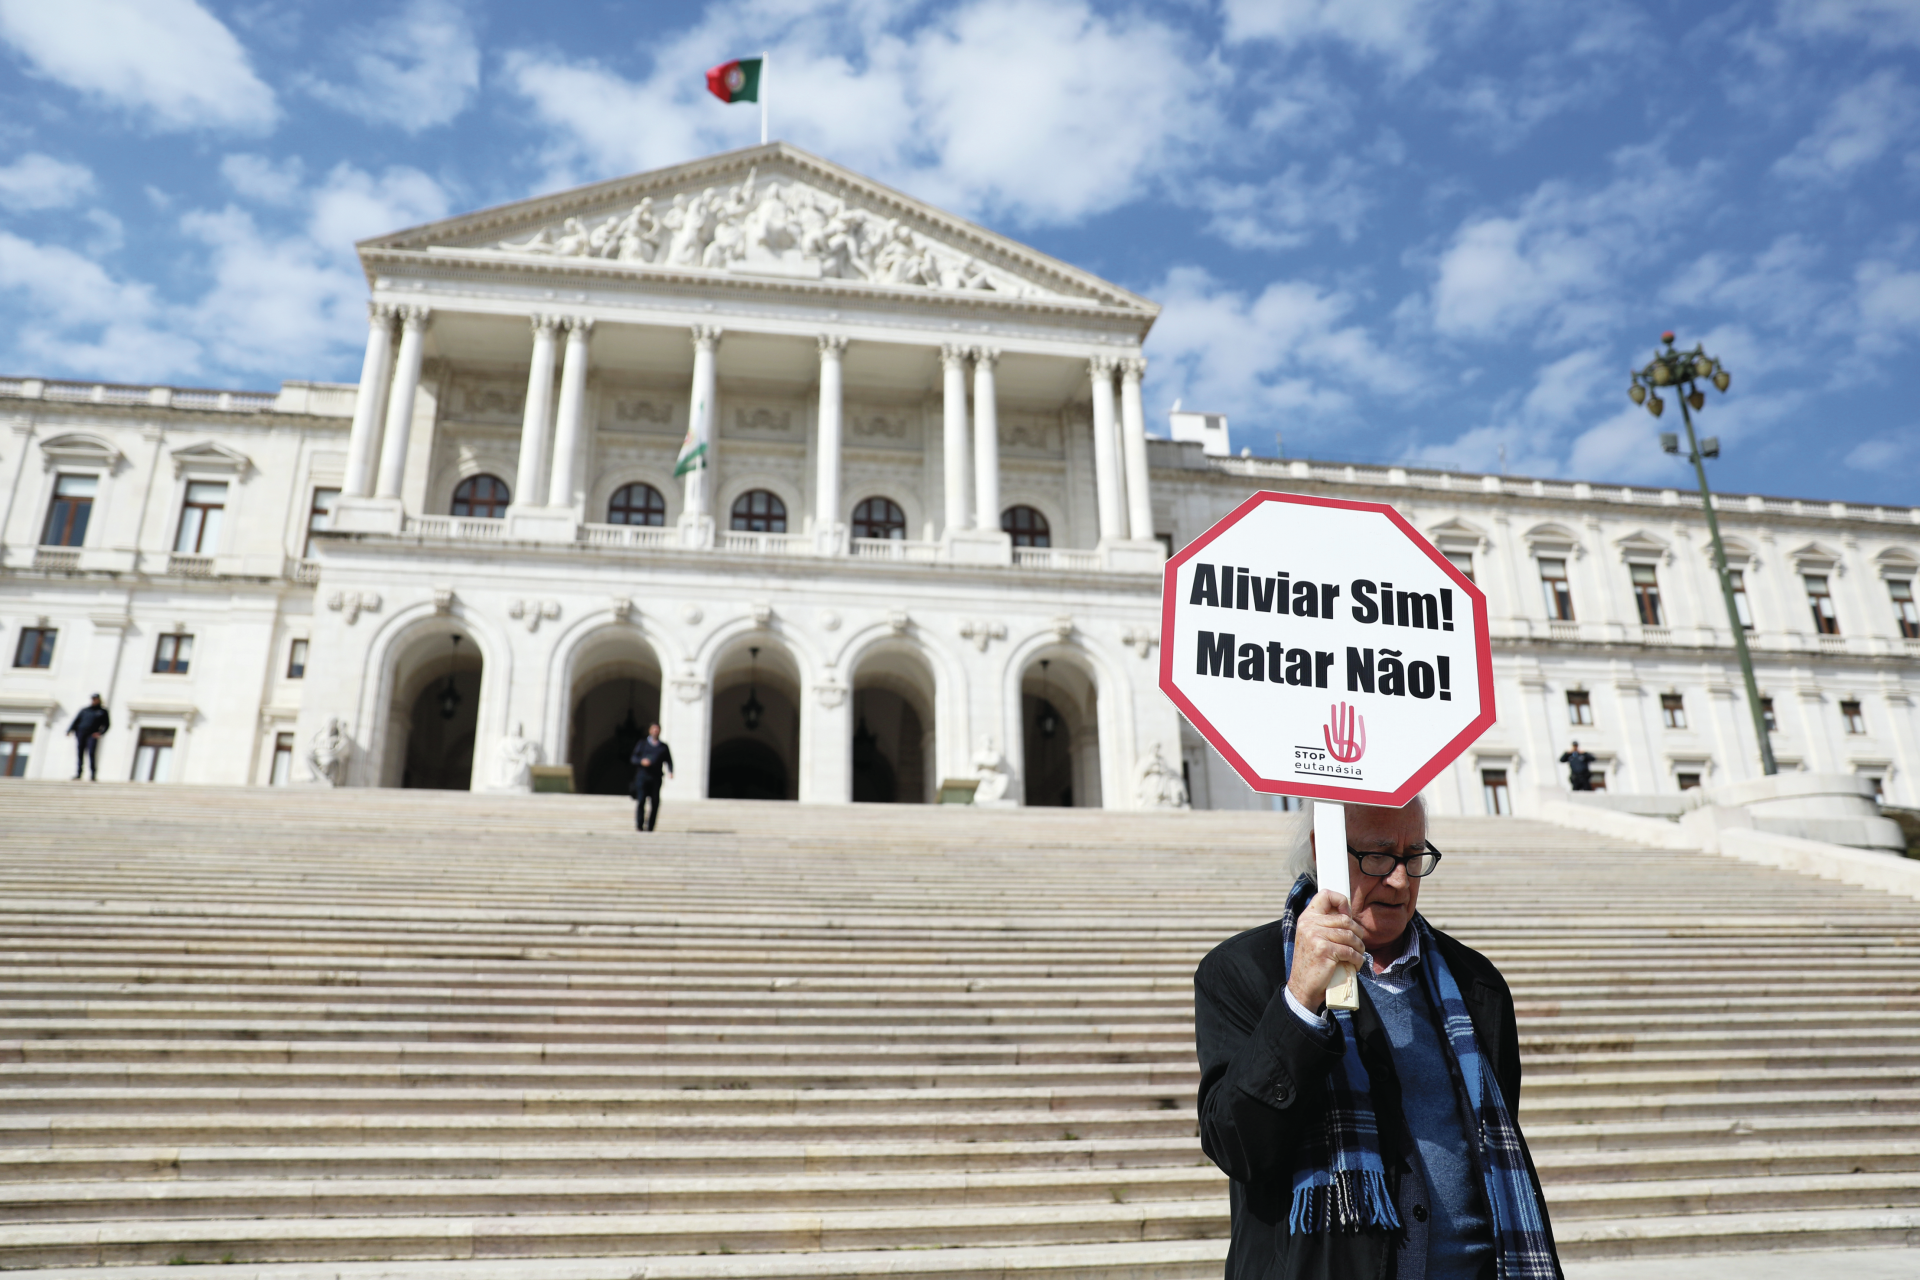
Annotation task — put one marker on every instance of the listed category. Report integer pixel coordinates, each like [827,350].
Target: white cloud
[1283,212]
[414,70]
[169,61]
[38,181]
[82,320]
[1046,111]
[1564,265]
[1856,129]
[1887,302]
[1882,23]
[262,178]
[1399,31]
[351,205]
[1883,452]
[1266,360]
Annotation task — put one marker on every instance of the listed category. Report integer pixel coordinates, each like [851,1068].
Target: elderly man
[1378,1144]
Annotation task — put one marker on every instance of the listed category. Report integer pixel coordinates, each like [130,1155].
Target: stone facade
[480,559]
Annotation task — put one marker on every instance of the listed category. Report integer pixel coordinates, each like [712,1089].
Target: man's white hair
[1299,854]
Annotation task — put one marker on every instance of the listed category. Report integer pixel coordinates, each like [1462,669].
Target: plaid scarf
[1340,1183]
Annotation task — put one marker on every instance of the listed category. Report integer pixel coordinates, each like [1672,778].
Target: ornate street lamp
[1049,718]
[1684,372]
[450,696]
[751,710]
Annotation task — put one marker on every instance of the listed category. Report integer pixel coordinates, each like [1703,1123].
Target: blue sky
[1437,231]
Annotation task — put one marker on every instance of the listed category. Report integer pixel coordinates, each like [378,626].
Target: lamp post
[1684,371]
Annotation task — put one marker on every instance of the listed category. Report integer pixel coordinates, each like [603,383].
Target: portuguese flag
[736,81]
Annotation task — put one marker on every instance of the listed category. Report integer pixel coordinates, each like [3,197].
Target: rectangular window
[1463,561]
[1766,714]
[72,505]
[1850,714]
[153,757]
[1879,787]
[1598,779]
[1820,600]
[1646,594]
[1903,607]
[1688,781]
[200,518]
[1579,707]
[297,660]
[317,517]
[1673,712]
[1737,578]
[1493,786]
[16,740]
[282,760]
[1559,594]
[1286,804]
[171,655]
[35,647]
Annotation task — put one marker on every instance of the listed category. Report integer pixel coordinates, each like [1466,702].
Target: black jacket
[1262,1084]
[1579,763]
[651,759]
[90,721]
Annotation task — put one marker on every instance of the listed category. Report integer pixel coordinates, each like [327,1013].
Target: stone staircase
[381,1034]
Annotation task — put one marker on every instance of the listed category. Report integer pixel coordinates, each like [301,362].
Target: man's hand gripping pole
[1330,869]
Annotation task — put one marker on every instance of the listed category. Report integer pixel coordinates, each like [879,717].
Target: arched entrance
[756,724]
[435,712]
[1060,732]
[615,696]
[893,743]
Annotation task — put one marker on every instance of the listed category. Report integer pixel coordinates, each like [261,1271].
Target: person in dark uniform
[86,729]
[651,758]
[1579,768]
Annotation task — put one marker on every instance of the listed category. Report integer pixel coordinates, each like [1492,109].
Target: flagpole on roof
[763,97]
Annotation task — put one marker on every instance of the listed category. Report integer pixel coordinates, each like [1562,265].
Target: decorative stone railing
[457,528]
[764,544]
[636,536]
[897,549]
[1059,559]
[182,565]
[56,559]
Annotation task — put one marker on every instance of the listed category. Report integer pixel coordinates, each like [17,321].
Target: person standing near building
[651,758]
[1579,768]
[86,729]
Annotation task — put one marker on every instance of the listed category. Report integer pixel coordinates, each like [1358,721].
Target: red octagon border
[1483,659]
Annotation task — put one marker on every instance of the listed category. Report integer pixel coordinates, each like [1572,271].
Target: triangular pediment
[210,456]
[769,213]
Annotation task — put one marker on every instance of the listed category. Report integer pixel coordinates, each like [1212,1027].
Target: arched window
[484,496]
[879,518]
[757,511]
[637,504]
[1028,527]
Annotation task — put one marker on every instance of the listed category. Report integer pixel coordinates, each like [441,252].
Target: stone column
[363,445]
[701,420]
[1133,440]
[570,433]
[1106,468]
[406,381]
[959,513]
[986,441]
[536,423]
[827,525]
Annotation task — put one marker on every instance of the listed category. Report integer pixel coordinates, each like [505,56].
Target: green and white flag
[693,449]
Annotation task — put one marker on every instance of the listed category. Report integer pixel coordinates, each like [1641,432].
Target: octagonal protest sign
[1326,649]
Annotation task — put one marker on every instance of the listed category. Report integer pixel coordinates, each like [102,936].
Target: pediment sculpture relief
[772,228]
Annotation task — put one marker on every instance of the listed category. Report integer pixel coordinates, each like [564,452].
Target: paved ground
[1838,1264]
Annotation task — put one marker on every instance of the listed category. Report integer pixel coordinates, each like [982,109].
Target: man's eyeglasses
[1381,865]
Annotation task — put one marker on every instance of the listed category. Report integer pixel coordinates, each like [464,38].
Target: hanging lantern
[1637,393]
[449,696]
[751,710]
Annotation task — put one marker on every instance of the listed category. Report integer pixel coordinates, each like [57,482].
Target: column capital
[832,344]
[705,336]
[379,313]
[543,324]
[954,353]
[985,357]
[414,316]
[1102,366]
[1133,368]
[579,324]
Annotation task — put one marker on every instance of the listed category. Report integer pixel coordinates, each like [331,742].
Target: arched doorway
[756,724]
[434,715]
[1060,732]
[893,742]
[615,696]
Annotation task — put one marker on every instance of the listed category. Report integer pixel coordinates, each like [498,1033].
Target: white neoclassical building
[924,543]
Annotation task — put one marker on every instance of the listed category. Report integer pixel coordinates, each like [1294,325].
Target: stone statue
[517,756]
[1157,784]
[327,758]
[784,228]
[990,767]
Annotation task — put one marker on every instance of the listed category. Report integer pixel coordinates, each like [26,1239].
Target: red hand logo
[1342,744]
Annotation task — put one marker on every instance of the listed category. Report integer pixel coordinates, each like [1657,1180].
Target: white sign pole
[1330,869]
